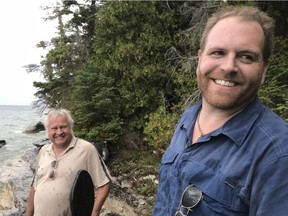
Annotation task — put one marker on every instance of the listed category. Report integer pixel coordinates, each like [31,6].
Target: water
[13,121]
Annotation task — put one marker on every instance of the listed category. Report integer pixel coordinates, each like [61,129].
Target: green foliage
[137,37]
[113,129]
[146,187]
[96,108]
[66,53]
[128,69]
[159,129]
[274,93]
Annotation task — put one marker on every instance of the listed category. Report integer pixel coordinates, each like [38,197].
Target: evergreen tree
[128,74]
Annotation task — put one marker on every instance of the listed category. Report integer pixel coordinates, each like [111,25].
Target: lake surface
[13,121]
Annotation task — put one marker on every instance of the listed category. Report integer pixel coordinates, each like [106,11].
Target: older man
[57,166]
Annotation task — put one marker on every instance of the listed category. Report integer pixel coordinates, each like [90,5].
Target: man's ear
[199,60]
[265,68]
[199,54]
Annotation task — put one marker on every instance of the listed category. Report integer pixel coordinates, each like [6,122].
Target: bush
[159,129]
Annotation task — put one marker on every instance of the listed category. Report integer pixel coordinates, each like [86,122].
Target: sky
[22,27]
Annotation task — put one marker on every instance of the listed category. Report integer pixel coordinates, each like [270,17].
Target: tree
[128,74]
[66,53]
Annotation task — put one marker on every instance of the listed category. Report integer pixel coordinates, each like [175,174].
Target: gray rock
[39,126]
[2,143]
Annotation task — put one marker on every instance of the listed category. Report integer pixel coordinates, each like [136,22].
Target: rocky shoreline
[16,177]
[15,180]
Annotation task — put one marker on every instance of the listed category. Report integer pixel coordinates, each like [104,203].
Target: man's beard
[231,100]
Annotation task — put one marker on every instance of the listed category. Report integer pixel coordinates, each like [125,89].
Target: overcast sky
[22,27]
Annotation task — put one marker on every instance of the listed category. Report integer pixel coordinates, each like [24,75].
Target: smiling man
[57,166]
[229,153]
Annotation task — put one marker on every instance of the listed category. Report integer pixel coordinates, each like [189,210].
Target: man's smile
[225,83]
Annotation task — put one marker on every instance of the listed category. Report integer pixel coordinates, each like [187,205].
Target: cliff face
[16,177]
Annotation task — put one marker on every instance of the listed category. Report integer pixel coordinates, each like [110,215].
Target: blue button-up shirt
[241,168]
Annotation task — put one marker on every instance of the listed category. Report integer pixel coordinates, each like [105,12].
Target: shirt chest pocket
[169,157]
[168,162]
[219,193]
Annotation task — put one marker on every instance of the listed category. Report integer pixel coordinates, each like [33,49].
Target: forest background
[126,71]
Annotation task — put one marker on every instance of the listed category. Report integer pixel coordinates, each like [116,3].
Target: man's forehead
[225,32]
[57,120]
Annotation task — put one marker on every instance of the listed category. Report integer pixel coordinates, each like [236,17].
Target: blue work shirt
[241,168]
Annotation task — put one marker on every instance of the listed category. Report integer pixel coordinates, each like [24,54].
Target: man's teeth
[225,83]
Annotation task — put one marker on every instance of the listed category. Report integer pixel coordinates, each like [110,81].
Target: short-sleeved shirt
[52,194]
[241,168]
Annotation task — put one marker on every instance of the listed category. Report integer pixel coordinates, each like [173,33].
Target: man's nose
[229,64]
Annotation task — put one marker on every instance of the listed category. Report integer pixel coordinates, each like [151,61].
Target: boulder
[2,143]
[39,126]
[15,178]
[41,142]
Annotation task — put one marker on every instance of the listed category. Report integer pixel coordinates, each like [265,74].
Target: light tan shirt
[52,194]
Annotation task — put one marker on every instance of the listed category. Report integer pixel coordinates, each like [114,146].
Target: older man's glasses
[190,198]
[53,171]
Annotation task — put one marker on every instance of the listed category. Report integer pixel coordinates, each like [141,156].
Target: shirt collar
[235,128]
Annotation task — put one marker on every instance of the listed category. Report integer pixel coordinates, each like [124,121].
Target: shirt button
[176,173]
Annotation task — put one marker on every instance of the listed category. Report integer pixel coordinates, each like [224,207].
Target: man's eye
[245,58]
[61,127]
[217,53]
